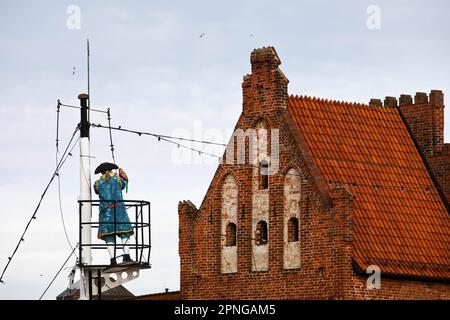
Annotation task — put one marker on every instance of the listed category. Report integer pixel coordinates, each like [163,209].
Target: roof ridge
[326,100]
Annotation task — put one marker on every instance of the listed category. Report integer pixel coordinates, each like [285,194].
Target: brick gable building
[314,194]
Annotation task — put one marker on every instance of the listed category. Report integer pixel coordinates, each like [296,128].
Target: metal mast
[85,194]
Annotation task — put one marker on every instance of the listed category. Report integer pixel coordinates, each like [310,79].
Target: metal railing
[141,246]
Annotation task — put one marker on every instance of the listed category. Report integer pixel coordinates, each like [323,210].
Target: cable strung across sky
[77,107]
[165,138]
[58,272]
[158,135]
[63,159]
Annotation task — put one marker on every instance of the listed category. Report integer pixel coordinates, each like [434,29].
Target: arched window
[230,235]
[264,175]
[293,229]
[291,236]
[261,233]
[228,225]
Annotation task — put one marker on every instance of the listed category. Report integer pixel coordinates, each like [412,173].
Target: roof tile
[402,226]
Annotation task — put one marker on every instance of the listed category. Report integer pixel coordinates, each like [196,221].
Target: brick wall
[398,289]
[325,253]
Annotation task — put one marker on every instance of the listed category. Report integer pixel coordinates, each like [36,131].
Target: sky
[176,68]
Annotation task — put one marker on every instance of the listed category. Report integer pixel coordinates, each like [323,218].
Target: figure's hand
[123,174]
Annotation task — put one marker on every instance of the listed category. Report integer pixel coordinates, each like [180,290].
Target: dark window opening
[293,230]
[260,90]
[230,235]
[261,233]
[264,175]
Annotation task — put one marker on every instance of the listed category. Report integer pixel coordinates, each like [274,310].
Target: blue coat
[109,187]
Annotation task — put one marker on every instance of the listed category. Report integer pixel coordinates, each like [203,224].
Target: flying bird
[73,71]
[202,35]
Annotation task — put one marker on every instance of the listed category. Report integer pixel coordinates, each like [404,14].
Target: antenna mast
[85,188]
[88,80]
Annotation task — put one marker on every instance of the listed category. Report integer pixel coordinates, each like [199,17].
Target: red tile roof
[402,226]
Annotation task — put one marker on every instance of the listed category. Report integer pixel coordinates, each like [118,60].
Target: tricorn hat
[105,166]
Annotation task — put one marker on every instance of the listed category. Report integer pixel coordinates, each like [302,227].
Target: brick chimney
[375,102]
[265,89]
[425,118]
[390,102]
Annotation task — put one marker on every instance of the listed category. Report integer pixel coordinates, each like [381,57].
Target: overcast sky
[175,67]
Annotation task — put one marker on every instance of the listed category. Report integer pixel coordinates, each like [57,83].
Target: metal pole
[136,241]
[85,194]
[115,229]
[149,230]
[142,233]
[88,53]
[99,286]
[90,284]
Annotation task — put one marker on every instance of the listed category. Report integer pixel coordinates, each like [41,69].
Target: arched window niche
[292,221]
